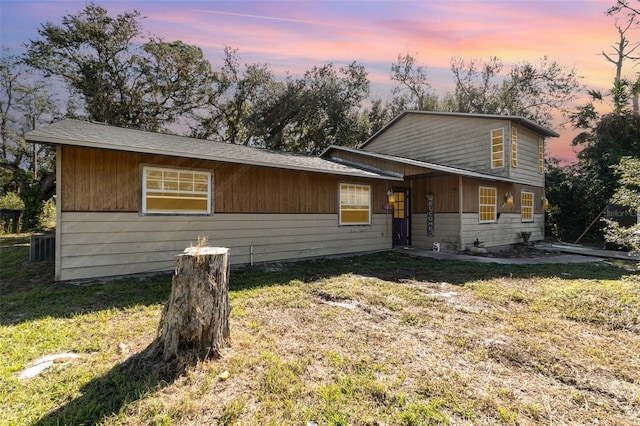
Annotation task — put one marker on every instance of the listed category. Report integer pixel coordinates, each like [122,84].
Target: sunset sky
[294,36]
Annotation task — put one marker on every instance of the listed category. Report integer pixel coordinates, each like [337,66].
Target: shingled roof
[72,132]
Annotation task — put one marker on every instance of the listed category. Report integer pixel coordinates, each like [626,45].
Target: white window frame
[494,160]
[354,199]
[522,206]
[494,205]
[144,192]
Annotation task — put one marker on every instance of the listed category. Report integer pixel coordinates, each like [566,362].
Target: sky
[293,35]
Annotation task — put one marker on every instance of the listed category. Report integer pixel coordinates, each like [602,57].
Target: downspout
[460,210]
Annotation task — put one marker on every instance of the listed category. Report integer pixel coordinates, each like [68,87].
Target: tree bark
[196,317]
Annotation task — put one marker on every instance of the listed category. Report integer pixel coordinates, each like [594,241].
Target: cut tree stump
[196,317]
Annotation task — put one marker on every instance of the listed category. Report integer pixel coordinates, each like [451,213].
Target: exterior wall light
[508,198]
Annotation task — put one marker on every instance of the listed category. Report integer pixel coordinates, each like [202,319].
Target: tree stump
[196,317]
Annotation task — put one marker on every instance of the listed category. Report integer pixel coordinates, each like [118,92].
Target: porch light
[390,197]
[545,201]
[508,198]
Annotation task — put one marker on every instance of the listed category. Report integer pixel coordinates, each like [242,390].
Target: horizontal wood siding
[446,227]
[108,244]
[527,170]
[94,180]
[457,141]
[506,231]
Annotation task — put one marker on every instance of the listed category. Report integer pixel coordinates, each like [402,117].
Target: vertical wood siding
[108,244]
[94,180]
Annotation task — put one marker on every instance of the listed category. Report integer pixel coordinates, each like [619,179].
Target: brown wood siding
[444,190]
[96,180]
[470,196]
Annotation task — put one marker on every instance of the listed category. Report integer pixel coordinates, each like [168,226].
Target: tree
[627,194]
[307,115]
[534,91]
[239,91]
[413,90]
[25,170]
[121,81]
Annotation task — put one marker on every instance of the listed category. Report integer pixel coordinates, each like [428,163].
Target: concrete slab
[573,256]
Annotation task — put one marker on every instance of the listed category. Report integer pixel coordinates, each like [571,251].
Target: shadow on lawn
[130,381]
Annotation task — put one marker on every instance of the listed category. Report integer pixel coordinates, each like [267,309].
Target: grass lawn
[377,339]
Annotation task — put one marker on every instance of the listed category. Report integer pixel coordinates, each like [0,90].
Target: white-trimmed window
[175,191]
[514,147]
[540,155]
[355,204]
[526,206]
[497,148]
[488,204]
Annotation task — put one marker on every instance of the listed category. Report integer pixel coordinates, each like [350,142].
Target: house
[466,177]
[128,201]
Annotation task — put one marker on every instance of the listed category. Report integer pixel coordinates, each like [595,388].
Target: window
[488,201]
[526,208]
[540,156]
[175,191]
[497,148]
[514,147]
[355,204]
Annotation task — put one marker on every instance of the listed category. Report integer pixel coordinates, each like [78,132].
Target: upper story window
[488,204]
[540,155]
[526,208]
[175,191]
[514,147]
[355,204]
[497,148]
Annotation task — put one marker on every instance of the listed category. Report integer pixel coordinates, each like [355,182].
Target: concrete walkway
[566,254]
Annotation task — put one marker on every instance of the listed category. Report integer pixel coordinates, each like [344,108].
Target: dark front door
[401,217]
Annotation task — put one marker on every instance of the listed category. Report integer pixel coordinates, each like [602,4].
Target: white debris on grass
[41,364]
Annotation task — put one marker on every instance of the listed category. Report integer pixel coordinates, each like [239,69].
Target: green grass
[377,339]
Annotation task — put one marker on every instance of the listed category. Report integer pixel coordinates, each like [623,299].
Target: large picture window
[497,148]
[355,204]
[526,209]
[488,204]
[176,191]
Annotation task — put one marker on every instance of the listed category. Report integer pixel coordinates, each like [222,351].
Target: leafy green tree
[627,194]
[26,101]
[310,113]
[121,81]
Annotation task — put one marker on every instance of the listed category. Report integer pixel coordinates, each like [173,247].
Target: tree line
[101,67]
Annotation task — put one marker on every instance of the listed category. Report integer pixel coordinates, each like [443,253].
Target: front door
[401,211]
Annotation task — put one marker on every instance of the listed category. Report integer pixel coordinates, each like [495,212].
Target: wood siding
[463,142]
[506,231]
[108,244]
[471,201]
[447,231]
[527,169]
[456,141]
[94,180]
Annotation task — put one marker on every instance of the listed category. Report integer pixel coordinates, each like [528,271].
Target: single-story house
[128,200]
